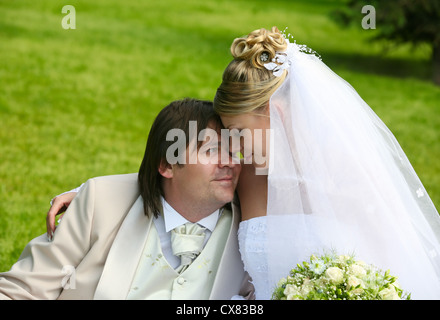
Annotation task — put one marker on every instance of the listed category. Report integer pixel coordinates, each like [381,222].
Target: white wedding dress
[253,249]
[267,258]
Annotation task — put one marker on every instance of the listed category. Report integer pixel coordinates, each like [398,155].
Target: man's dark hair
[176,115]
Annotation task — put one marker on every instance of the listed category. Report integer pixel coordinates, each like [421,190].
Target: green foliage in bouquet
[338,277]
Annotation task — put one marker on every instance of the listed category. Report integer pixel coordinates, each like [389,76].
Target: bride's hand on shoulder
[59,206]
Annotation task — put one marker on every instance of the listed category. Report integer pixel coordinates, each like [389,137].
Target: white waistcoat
[156,279]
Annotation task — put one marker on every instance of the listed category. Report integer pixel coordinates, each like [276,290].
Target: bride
[335,178]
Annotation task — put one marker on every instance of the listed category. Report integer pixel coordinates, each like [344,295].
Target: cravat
[187,243]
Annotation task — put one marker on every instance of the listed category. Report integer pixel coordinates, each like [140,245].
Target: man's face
[210,182]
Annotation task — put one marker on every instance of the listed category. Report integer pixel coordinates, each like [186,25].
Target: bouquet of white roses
[338,277]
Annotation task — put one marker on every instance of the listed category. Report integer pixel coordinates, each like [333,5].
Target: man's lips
[225,178]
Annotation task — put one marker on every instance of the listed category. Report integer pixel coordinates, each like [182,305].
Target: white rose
[353,282]
[357,271]
[290,290]
[335,275]
[389,294]
[306,287]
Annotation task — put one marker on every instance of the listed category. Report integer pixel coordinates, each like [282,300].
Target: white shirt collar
[173,219]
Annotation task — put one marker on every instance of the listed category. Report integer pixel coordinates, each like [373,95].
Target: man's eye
[213,150]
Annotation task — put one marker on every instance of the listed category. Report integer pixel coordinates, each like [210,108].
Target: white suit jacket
[97,246]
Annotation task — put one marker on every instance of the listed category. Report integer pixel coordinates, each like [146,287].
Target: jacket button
[181,281]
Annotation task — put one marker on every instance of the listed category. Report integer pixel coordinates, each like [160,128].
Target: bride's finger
[56,208]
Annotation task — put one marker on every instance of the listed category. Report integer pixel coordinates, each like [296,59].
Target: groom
[119,236]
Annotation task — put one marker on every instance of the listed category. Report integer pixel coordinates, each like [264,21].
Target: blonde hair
[247,85]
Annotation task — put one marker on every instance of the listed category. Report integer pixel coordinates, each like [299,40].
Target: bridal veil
[338,180]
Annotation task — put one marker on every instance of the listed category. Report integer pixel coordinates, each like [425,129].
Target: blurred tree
[401,21]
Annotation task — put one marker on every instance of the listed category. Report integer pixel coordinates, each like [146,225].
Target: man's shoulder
[129,178]
[111,188]
[117,181]
[110,197]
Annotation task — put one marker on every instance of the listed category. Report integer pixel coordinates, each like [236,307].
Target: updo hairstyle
[247,85]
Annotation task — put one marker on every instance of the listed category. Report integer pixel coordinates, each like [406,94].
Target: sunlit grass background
[75,104]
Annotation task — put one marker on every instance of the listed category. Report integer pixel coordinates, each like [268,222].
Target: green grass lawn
[79,103]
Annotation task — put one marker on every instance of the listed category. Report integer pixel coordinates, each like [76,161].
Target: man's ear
[166,169]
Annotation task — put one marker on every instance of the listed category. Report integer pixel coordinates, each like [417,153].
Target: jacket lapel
[230,272]
[123,258]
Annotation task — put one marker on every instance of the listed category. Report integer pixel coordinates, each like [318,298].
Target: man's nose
[228,160]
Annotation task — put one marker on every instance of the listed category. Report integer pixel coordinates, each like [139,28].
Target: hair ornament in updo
[283,59]
[264,57]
